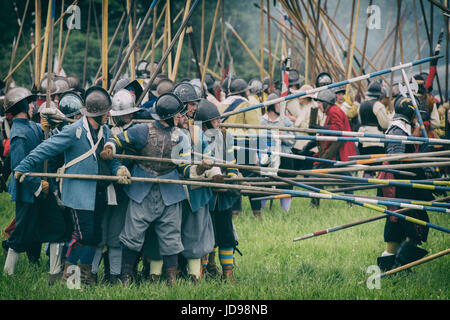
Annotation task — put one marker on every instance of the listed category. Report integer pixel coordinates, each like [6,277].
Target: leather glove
[45,124]
[124,174]
[205,165]
[20,176]
[219,178]
[107,153]
[45,187]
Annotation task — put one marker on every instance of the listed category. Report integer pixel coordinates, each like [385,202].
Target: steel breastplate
[160,143]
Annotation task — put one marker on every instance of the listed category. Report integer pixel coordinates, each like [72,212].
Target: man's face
[127,118]
[192,108]
[105,118]
[215,123]
[133,94]
[340,97]
[181,121]
[320,106]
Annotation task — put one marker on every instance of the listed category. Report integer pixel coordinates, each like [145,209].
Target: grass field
[273,267]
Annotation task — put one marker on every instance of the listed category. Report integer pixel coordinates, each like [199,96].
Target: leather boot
[171,276]
[228,274]
[386,262]
[87,277]
[53,278]
[407,253]
[127,275]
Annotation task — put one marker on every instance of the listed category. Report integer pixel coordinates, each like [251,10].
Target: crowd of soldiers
[176,230]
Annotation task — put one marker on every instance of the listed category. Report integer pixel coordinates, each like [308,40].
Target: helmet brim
[124,112]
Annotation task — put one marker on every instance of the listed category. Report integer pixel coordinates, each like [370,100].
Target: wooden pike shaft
[46,39]
[130,50]
[166,53]
[269,44]
[37,46]
[151,39]
[132,59]
[211,37]
[180,44]
[353,224]
[105,44]
[246,48]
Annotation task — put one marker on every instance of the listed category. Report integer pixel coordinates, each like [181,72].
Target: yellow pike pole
[105,44]
[60,35]
[211,37]
[269,44]
[352,50]
[169,37]
[261,40]
[37,43]
[151,39]
[130,39]
[46,37]
[250,53]
[173,76]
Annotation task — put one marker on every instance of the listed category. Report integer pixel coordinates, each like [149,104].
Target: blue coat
[25,136]
[136,137]
[199,197]
[74,140]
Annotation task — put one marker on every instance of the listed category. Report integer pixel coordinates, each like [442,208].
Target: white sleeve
[380,112]
[435,122]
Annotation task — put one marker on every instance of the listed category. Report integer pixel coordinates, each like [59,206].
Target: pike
[333,85]
[387,157]
[333,138]
[131,49]
[359,200]
[406,201]
[166,53]
[317,172]
[324,194]
[419,140]
[300,157]
[237,187]
[351,224]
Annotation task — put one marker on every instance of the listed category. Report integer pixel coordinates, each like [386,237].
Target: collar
[405,127]
[266,117]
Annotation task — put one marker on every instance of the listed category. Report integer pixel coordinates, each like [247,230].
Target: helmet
[43,85]
[395,90]
[326,96]
[74,82]
[404,109]
[186,92]
[62,85]
[323,79]
[16,95]
[206,111]
[339,90]
[294,77]
[165,85]
[255,86]
[305,88]
[425,77]
[237,86]
[167,106]
[210,82]
[96,102]
[141,69]
[375,89]
[266,83]
[125,83]
[151,68]
[123,103]
[70,104]
[198,91]
[225,86]
[272,96]
[421,82]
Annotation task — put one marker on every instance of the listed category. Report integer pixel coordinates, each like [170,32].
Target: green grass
[273,266]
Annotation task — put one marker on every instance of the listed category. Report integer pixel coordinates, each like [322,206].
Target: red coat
[337,120]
